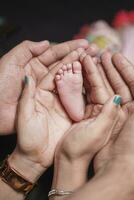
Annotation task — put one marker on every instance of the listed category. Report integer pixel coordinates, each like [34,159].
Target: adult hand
[120,74]
[111,182]
[86,138]
[33,57]
[114,163]
[80,143]
[97,93]
[47,116]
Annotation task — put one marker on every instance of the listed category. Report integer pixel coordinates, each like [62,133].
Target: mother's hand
[80,143]
[84,139]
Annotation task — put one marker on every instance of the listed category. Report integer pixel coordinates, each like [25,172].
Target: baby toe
[64,68]
[77,67]
[60,71]
[82,56]
[69,68]
[58,77]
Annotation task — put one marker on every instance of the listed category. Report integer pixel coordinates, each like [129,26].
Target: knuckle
[108,116]
[131,82]
[26,42]
[54,52]
[119,85]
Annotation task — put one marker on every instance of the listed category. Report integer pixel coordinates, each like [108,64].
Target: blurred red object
[131,16]
[123,18]
[83,32]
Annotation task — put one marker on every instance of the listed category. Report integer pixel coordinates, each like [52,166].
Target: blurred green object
[3,20]
[6,29]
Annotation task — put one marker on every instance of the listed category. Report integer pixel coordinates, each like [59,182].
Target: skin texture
[22,60]
[94,133]
[42,112]
[46,113]
[123,73]
[27,160]
[109,185]
[111,180]
[72,155]
[69,83]
[114,163]
[25,150]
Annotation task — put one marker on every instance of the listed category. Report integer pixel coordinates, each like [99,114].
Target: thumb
[25,51]
[26,105]
[105,122]
[37,48]
[107,119]
[110,110]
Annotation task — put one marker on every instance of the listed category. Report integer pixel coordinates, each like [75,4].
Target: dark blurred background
[56,21]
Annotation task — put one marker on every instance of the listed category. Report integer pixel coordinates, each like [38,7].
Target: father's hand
[33,57]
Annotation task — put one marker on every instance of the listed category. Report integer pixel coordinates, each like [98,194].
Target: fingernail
[83,42]
[117,100]
[45,42]
[26,80]
[93,47]
[82,56]
[80,51]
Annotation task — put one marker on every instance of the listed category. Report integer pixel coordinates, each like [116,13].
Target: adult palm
[28,57]
[42,112]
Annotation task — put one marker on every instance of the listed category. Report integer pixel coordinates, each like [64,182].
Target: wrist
[69,175]
[29,169]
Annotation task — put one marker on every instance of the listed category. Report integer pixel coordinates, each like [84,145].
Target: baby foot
[69,83]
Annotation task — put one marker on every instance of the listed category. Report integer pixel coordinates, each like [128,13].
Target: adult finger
[47,82]
[103,125]
[126,69]
[99,92]
[92,50]
[57,52]
[36,48]
[26,104]
[69,58]
[24,52]
[106,82]
[117,83]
